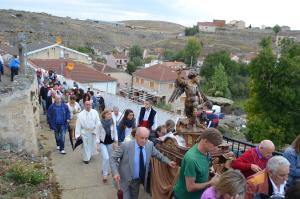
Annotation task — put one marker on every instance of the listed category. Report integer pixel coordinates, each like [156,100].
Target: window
[170,86]
[137,80]
[142,81]
[151,84]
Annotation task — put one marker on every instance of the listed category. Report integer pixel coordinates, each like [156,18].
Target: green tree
[134,64]
[212,60]
[192,51]
[219,82]
[191,31]
[168,55]
[135,51]
[149,59]
[131,67]
[273,107]
[237,74]
[276,29]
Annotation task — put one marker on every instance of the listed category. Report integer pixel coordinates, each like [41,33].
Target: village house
[211,26]
[294,35]
[46,50]
[243,57]
[124,79]
[248,57]
[86,76]
[235,57]
[157,82]
[237,24]
[117,60]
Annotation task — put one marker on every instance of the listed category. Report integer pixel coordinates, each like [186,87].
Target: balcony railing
[239,147]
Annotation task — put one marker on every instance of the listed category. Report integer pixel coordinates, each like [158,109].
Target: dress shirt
[136,165]
[146,116]
[277,191]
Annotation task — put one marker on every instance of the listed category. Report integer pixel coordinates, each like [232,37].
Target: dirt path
[77,180]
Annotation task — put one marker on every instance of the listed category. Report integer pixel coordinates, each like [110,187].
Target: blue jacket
[1,68]
[294,160]
[58,114]
[14,63]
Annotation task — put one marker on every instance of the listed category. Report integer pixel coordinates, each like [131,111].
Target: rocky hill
[107,35]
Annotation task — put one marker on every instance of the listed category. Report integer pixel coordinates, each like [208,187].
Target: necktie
[142,165]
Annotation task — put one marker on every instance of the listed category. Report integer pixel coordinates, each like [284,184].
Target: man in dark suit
[147,117]
[130,163]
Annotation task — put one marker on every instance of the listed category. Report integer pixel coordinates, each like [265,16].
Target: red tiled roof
[81,72]
[164,72]
[120,56]
[215,24]
[104,68]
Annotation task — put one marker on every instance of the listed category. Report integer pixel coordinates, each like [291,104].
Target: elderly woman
[293,155]
[230,185]
[270,181]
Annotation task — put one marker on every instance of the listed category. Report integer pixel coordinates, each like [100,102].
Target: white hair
[276,162]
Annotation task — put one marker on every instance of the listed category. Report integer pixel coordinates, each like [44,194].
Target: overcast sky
[185,12]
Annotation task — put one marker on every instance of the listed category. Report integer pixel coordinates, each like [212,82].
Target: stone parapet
[19,115]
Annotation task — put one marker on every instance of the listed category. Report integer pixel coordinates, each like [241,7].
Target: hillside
[107,35]
[42,26]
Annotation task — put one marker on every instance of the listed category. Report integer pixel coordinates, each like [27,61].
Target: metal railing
[239,147]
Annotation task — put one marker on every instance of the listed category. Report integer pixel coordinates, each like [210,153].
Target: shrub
[22,174]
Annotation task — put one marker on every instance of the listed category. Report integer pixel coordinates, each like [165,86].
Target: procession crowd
[127,143]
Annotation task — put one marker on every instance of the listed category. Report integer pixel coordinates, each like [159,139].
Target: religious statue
[194,100]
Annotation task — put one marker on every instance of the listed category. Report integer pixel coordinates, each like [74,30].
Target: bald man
[130,163]
[255,159]
[59,116]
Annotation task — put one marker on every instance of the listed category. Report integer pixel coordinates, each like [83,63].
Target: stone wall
[19,115]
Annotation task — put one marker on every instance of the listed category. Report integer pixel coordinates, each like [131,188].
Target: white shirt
[117,118]
[1,59]
[146,116]
[277,191]
[76,108]
[87,121]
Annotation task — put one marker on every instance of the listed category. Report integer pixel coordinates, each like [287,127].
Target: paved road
[78,180]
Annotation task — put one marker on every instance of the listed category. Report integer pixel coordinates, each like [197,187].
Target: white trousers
[106,150]
[89,145]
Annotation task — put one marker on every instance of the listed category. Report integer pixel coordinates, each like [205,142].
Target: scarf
[106,125]
[129,123]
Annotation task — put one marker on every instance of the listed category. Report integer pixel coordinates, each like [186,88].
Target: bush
[22,174]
